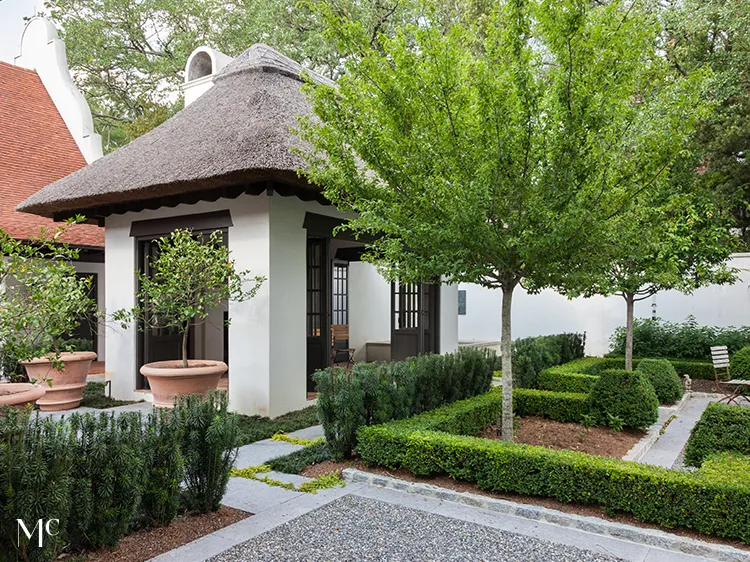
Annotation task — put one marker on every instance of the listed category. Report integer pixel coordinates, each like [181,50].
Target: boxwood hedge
[722,428]
[714,500]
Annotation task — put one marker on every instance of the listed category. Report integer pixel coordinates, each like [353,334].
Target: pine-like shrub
[740,364]
[36,457]
[372,393]
[163,468]
[210,434]
[107,478]
[532,355]
[664,379]
[627,394]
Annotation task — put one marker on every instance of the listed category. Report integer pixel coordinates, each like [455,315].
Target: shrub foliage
[372,393]
[663,378]
[722,428]
[532,355]
[713,500]
[625,394]
[685,340]
[740,364]
[104,476]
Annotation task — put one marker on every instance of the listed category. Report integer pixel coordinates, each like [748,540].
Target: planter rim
[175,369]
[65,357]
[35,391]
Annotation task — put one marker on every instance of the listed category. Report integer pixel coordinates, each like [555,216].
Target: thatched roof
[236,135]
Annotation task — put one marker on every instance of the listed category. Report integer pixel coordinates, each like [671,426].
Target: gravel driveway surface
[356,528]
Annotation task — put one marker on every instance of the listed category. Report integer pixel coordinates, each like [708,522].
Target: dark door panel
[318,308]
[414,319]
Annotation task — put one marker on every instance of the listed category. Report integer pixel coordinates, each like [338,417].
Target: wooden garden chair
[340,344]
[733,390]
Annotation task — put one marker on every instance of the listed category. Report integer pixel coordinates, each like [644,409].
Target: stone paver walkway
[665,451]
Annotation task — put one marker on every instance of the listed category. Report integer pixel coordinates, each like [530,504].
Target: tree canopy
[128,56]
[497,151]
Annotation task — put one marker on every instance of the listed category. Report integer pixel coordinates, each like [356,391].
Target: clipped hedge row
[372,393]
[533,355]
[715,500]
[722,428]
[582,374]
[559,406]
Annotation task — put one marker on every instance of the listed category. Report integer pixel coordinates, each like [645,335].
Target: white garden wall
[551,313]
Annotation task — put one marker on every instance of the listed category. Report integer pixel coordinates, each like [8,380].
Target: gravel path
[356,528]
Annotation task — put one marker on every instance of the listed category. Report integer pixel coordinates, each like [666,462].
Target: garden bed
[549,503]
[148,543]
[597,440]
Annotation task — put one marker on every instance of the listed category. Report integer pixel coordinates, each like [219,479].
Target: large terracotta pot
[20,394]
[65,387]
[169,379]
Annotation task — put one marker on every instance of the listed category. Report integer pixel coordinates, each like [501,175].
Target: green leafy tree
[673,241]
[42,300]
[496,152]
[128,56]
[190,276]
[716,33]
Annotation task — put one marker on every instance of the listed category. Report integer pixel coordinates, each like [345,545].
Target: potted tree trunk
[189,277]
[43,302]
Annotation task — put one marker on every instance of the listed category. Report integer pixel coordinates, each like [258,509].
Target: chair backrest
[339,332]
[720,357]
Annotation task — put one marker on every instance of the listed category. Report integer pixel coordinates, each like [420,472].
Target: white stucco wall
[552,313]
[369,307]
[448,318]
[42,50]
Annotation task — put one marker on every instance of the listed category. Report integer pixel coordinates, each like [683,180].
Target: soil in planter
[148,543]
[597,440]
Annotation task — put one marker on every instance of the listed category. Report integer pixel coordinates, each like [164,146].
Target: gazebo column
[249,330]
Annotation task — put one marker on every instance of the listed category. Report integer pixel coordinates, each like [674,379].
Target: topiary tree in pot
[664,378]
[42,302]
[626,396]
[190,276]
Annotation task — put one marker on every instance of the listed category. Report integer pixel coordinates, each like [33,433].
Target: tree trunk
[185,346]
[630,302]
[507,362]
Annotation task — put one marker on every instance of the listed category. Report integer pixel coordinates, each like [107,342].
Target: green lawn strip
[310,487]
[94,397]
[714,500]
[256,428]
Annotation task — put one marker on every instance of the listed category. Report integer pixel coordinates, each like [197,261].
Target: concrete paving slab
[261,452]
[313,432]
[255,497]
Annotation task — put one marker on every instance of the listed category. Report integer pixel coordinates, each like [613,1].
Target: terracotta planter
[20,394]
[169,379]
[66,389]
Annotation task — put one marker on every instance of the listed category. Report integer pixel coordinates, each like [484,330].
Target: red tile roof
[36,149]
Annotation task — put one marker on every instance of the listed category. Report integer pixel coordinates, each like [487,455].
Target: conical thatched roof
[235,136]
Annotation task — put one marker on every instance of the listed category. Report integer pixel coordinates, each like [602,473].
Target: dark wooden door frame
[318,305]
[419,331]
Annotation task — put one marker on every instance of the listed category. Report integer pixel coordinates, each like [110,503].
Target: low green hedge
[722,428]
[714,500]
[581,375]
[559,406]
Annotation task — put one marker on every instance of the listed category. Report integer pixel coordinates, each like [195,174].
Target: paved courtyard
[359,528]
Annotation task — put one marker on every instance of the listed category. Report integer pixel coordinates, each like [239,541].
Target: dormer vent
[202,65]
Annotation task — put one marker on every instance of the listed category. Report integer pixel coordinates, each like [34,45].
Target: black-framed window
[340,293]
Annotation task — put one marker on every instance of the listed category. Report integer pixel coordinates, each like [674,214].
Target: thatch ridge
[239,131]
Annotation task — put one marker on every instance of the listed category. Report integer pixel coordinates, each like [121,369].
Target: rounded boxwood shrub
[664,378]
[740,364]
[627,395]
